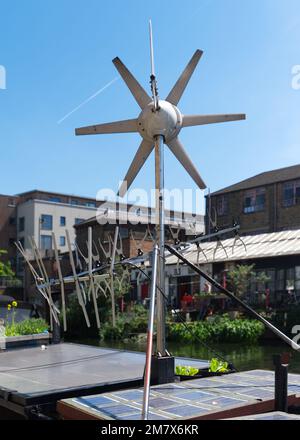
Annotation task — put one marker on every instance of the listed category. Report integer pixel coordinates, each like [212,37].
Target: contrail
[89,99]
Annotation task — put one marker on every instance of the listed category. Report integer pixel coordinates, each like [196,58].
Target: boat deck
[228,396]
[33,376]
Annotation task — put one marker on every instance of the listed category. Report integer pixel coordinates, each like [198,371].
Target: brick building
[267,202]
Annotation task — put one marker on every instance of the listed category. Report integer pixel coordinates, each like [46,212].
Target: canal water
[244,357]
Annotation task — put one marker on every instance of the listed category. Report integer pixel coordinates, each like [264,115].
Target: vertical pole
[160,240]
[112,288]
[62,287]
[281,381]
[90,264]
[147,376]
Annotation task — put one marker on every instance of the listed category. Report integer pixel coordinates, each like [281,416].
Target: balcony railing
[10,282]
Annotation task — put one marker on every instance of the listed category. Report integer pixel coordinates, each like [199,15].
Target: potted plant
[216,368]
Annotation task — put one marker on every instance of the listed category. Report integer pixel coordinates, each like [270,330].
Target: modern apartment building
[37,214]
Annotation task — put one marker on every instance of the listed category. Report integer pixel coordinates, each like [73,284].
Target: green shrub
[26,327]
[220,330]
[128,324]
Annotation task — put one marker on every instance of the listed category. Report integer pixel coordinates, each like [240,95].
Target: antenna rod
[152,76]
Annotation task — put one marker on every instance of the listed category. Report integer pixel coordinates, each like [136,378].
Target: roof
[269,245]
[262,179]
[111,216]
[42,191]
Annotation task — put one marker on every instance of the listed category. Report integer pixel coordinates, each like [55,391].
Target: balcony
[10,282]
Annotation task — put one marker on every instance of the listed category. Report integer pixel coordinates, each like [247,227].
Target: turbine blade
[129,126]
[177,149]
[136,89]
[177,91]
[191,120]
[140,158]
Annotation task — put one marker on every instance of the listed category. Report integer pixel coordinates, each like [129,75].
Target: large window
[291,193]
[78,220]
[46,222]
[254,200]
[62,241]
[62,221]
[222,205]
[21,224]
[46,242]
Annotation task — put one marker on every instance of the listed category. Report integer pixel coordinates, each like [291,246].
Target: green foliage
[182,370]
[26,327]
[76,325]
[128,324]
[222,329]
[239,278]
[217,366]
[5,267]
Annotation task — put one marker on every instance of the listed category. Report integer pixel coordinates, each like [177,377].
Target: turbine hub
[167,121]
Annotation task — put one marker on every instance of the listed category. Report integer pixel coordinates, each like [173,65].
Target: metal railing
[10,282]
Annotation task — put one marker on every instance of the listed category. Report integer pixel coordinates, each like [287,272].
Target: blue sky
[58,53]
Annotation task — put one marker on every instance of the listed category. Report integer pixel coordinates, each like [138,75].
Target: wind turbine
[159,123]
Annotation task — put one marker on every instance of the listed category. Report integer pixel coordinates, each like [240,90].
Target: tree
[5,267]
[240,276]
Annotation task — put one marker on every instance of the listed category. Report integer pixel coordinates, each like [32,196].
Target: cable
[178,315]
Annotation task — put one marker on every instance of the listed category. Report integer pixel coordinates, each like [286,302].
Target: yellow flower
[14,304]
[8,307]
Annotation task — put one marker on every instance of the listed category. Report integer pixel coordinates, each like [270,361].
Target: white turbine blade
[140,158]
[177,91]
[177,149]
[191,120]
[129,126]
[141,97]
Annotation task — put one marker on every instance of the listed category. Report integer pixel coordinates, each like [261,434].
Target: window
[280,279]
[21,224]
[55,199]
[46,222]
[254,200]
[74,202]
[291,193]
[62,221]
[222,205]
[11,241]
[78,220]
[91,204]
[123,232]
[12,220]
[46,242]
[62,241]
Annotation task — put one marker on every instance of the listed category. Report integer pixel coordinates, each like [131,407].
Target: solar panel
[194,395]
[186,410]
[224,401]
[189,399]
[160,402]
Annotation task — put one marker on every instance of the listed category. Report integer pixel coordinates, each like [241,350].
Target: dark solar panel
[223,401]
[117,410]
[130,395]
[194,395]
[98,400]
[258,393]
[186,410]
[160,402]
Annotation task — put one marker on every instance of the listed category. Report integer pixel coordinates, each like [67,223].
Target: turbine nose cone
[167,121]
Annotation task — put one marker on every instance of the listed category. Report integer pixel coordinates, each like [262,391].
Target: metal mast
[159,211]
